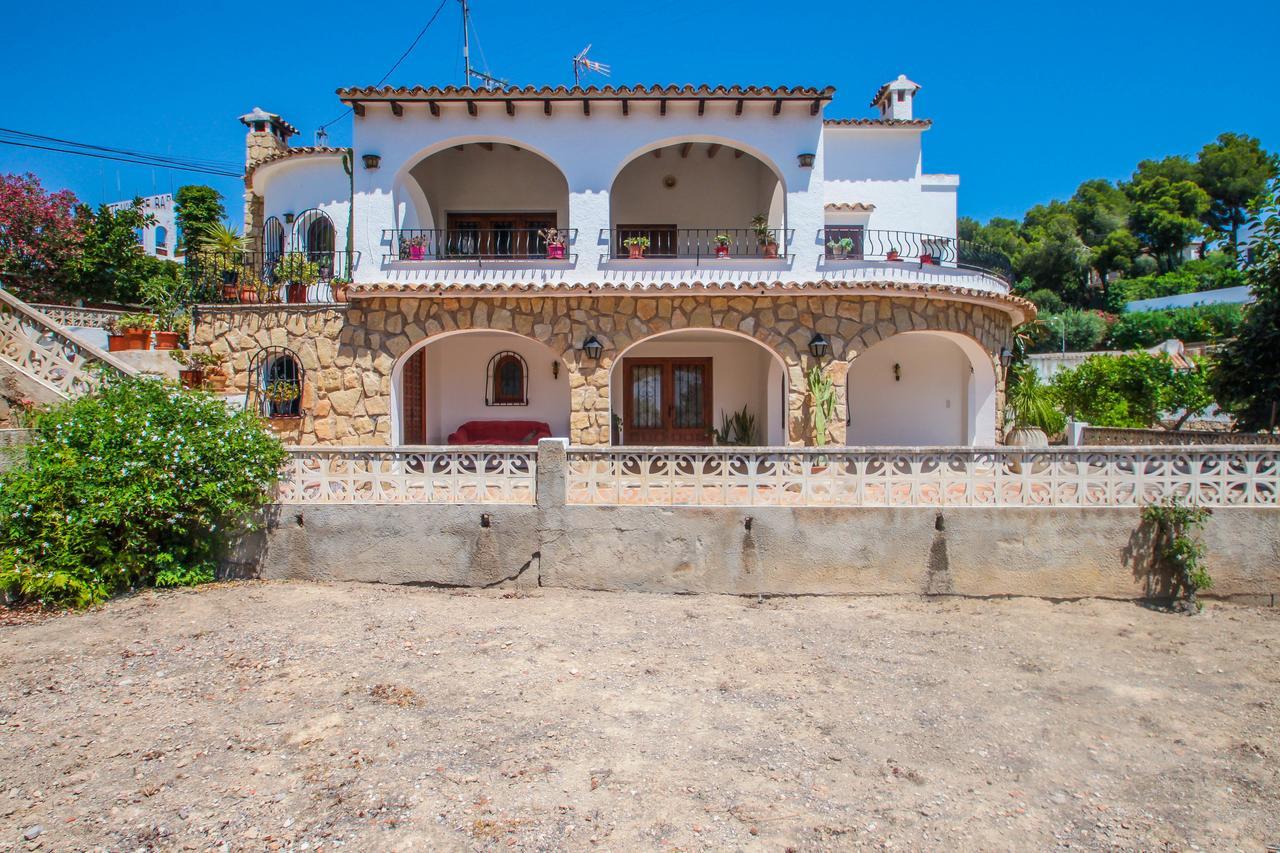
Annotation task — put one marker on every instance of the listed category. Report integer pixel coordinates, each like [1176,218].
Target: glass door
[667,401]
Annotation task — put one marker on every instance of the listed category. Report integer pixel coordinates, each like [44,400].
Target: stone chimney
[268,134]
[894,99]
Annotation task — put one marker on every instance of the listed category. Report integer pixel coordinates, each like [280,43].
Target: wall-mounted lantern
[371,161]
[555,369]
[806,161]
[288,218]
[592,347]
[818,345]
[897,372]
[1006,357]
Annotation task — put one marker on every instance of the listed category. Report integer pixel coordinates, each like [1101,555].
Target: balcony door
[497,235]
[667,401]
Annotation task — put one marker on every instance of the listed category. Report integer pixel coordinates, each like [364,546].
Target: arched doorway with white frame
[479,386]
[698,387]
[922,389]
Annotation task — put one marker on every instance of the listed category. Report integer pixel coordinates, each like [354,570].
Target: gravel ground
[284,715]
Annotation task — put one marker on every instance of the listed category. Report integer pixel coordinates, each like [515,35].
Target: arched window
[313,235]
[273,239]
[276,383]
[507,383]
[162,237]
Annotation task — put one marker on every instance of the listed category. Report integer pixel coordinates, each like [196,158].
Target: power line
[402,58]
[205,170]
[125,151]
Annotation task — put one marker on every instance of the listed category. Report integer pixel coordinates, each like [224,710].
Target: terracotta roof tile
[1015,305]
[577,92]
[878,122]
[855,206]
[290,153]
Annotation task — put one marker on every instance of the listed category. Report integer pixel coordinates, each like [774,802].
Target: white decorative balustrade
[78,317]
[911,477]
[438,475]
[44,350]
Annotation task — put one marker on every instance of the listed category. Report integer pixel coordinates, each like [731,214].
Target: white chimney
[894,98]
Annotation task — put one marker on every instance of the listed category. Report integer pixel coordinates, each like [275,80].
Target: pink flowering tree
[39,237]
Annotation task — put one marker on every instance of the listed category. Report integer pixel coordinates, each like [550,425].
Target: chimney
[895,97]
[268,134]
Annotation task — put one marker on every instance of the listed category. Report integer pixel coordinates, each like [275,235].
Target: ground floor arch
[679,387]
[925,388]
[507,384]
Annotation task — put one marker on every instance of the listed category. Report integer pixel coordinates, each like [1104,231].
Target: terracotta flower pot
[339,292]
[635,252]
[192,377]
[125,341]
[893,256]
[297,293]
[249,295]
[771,250]
[167,340]
[722,251]
[217,381]
[927,259]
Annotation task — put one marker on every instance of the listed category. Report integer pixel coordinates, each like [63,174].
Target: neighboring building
[1223,296]
[718,243]
[160,239]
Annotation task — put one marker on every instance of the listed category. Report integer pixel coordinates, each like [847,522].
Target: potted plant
[927,259]
[170,327]
[416,248]
[893,254]
[197,367]
[722,245]
[1030,410]
[840,248]
[324,267]
[339,288]
[166,297]
[282,396]
[556,241]
[300,274]
[636,246]
[222,248]
[131,332]
[765,236]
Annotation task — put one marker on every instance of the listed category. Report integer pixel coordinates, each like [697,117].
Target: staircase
[43,361]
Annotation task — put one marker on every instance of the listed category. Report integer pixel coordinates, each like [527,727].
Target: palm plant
[1029,403]
[222,238]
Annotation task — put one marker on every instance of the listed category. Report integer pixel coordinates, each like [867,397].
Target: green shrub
[1130,390]
[1031,403]
[130,487]
[1195,323]
[1213,272]
[1085,331]
[1047,301]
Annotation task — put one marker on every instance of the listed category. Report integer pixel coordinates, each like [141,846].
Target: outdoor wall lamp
[288,218]
[818,345]
[555,370]
[592,347]
[806,161]
[897,372]
[371,161]
[1006,357]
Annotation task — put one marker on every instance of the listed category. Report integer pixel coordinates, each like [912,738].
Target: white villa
[160,238]
[622,266]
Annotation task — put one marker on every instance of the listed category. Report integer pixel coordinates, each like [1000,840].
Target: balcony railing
[854,243]
[697,243]
[477,244]
[255,277]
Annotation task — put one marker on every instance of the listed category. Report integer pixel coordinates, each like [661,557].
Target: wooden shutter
[412,408]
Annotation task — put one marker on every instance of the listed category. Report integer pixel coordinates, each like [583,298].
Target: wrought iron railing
[41,348]
[477,244]
[657,242]
[254,277]
[943,476]
[854,243]
[441,475]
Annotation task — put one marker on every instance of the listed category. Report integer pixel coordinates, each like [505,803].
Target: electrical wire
[422,32]
[24,135]
[205,170]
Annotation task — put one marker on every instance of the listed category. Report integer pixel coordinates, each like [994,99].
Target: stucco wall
[927,401]
[1057,553]
[479,180]
[295,186]
[351,352]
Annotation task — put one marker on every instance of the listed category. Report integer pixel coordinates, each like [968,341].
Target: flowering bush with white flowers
[130,487]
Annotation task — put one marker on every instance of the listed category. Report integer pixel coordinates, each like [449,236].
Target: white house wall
[305,183]
[882,167]
[477,180]
[722,192]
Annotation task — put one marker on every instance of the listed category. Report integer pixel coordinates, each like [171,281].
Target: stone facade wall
[349,352]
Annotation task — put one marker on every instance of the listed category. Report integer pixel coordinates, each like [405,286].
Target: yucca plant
[1029,403]
[823,393]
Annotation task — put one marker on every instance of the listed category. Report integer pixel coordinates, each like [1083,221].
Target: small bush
[1085,331]
[130,487]
[1196,323]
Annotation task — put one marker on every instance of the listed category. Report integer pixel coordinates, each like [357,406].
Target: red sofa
[500,432]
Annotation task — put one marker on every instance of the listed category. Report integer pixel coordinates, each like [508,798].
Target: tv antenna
[582,65]
[490,81]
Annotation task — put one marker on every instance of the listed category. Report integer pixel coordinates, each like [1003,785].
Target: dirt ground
[284,715]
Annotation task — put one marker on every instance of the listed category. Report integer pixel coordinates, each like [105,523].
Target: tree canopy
[197,208]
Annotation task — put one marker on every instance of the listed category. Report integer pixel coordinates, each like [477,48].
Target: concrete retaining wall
[1111,436]
[1052,552]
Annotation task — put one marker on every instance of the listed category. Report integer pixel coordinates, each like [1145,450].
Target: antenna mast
[583,65]
[466,41]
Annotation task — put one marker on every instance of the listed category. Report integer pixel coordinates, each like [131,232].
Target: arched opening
[161,238]
[482,199]
[479,387]
[698,387]
[922,389]
[697,198]
[276,383]
[273,239]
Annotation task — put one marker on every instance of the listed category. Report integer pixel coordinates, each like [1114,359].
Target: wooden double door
[666,401]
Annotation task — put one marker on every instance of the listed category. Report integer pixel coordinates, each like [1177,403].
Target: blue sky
[1028,99]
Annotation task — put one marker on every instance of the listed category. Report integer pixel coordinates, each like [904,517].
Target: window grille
[274,372]
[507,380]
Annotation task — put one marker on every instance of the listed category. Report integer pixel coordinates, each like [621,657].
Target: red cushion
[500,432]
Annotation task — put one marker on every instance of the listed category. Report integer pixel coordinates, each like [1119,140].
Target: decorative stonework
[349,352]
